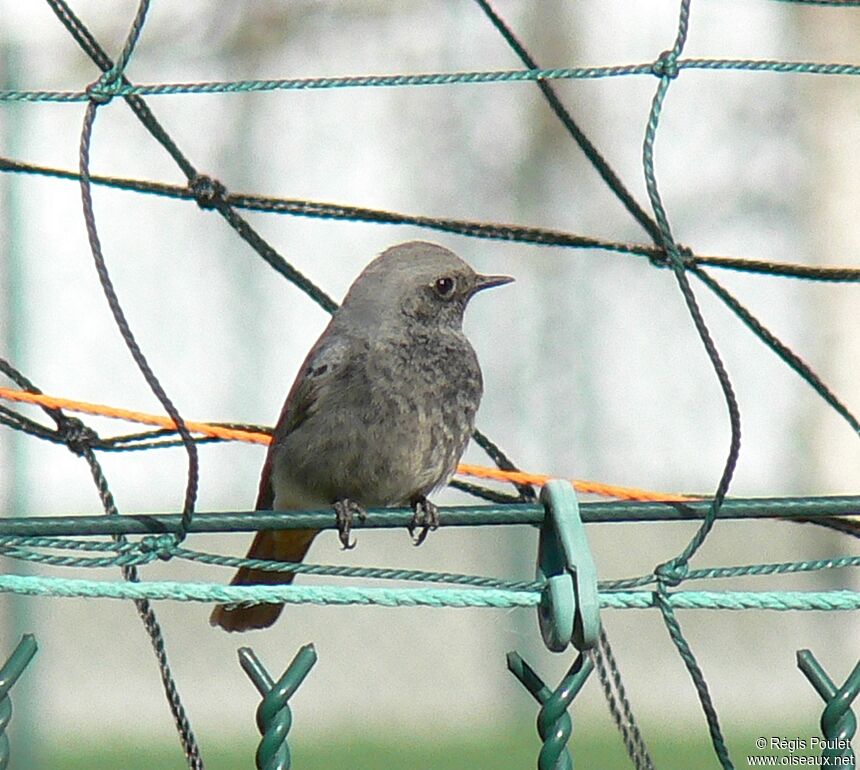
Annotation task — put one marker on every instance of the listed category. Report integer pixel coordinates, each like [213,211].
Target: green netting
[50,541]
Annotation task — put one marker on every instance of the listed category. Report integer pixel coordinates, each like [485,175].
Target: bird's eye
[444,286]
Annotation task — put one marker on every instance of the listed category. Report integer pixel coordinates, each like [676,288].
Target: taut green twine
[427,79]
[163,547]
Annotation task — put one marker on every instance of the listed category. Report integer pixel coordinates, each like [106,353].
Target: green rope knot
[666,65]
[678,254]
[208,192]
[671,573]
[103,90]
[274,717]
[76,436]
[163,546]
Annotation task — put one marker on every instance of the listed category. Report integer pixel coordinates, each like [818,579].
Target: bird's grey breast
[383,418]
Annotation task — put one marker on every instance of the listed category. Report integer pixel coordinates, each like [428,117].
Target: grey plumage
[382,408]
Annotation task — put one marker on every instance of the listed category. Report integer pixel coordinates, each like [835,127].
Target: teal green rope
[416,597]
[164,547]
[126,559]
[150,549]
[780,568]
[736,600]
[375,573]
[115,89]
[67,544]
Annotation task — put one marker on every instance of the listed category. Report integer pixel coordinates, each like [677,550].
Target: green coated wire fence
[568,607]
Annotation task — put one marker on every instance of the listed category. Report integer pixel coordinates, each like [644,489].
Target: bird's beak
[488,282]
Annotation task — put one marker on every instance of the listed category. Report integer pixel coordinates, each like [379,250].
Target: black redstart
[381,410]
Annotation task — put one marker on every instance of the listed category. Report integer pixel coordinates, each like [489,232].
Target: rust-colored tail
[289,545]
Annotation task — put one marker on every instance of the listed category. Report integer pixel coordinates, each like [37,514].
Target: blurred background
[592,366]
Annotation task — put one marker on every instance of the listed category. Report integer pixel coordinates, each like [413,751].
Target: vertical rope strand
[147,615]
[673,572]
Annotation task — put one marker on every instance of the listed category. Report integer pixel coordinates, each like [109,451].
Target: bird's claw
[426,516]
[345,512]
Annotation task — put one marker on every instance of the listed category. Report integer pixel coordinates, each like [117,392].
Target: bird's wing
[318,368]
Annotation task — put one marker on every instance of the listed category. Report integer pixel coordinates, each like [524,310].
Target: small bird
[379,414]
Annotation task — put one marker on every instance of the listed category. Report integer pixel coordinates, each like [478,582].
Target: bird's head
[419,282]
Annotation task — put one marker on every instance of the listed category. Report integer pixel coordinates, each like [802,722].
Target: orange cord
[589,487]
[255,437]
[84,407]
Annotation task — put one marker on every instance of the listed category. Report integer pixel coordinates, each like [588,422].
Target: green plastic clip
[838,723]
[12,669]
[569,609]
[274,717]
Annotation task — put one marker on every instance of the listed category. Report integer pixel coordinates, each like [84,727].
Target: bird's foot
[345,512]
[426,516]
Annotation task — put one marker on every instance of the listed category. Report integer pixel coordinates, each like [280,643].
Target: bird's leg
[345,510]
[426,516]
